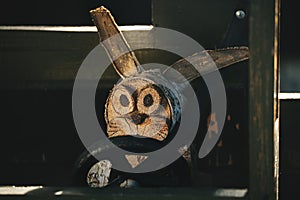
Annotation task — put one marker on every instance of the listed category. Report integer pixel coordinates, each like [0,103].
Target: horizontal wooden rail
[72,28]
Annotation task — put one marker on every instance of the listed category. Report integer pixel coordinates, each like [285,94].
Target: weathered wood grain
[208,61]
[114,43]
[263,99]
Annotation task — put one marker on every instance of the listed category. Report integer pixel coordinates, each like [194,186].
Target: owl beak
[138,118]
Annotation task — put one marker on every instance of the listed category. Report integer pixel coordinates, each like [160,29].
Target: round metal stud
[240,14]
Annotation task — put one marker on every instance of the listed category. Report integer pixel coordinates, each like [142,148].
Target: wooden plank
[43,57]
[263,99]
[127,194]
[85,29]
[39,57]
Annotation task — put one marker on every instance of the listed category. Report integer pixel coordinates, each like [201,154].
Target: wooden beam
[263,99]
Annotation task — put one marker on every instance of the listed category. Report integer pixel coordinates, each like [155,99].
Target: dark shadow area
[72,13]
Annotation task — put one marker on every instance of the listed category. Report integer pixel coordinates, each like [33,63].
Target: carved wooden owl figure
[140,104]
[145,103]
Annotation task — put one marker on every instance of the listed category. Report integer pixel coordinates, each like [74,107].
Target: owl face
[138,107]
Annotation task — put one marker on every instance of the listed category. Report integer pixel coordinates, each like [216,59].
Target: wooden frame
[263,99]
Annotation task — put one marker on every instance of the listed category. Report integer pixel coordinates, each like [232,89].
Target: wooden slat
[85,29]
[49,57]
[116,194]
[263,99]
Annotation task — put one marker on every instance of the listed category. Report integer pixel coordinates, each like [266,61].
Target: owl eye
[122,101]
[148,100]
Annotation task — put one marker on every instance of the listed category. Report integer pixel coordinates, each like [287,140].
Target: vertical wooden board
[263,101]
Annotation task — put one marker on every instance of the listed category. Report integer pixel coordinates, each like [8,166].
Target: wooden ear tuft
[114,43]
[206,62]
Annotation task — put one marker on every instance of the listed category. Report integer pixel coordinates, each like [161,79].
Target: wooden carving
[138,105]
[127,64]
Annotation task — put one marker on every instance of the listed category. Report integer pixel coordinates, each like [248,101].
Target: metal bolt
[240,14]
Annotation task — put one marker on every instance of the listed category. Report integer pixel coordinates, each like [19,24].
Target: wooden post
[263,99]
